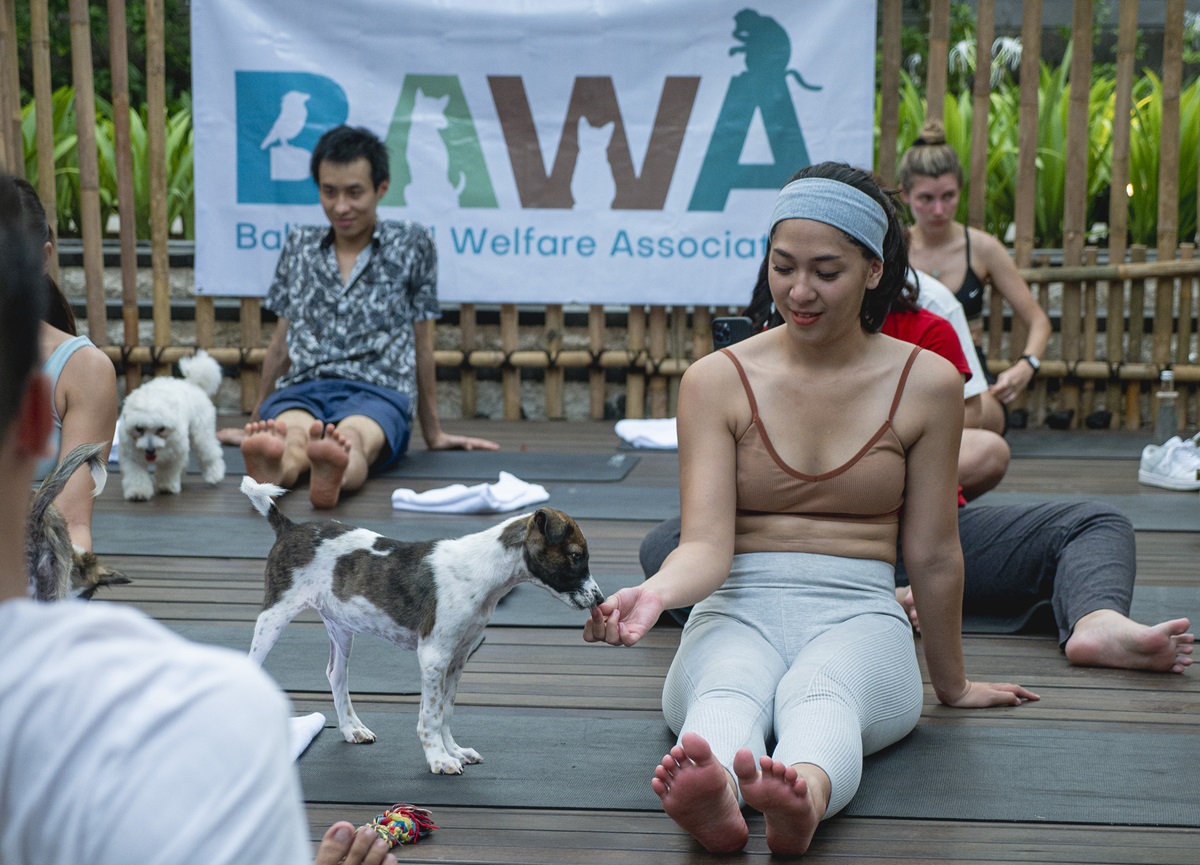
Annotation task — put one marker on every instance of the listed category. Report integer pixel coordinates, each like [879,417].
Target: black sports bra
[970,294]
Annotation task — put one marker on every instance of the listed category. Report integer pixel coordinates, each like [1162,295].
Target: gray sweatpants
[810,651]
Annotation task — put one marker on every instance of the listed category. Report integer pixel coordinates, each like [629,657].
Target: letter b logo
[280,116]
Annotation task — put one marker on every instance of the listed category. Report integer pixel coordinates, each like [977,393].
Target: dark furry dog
[56,569]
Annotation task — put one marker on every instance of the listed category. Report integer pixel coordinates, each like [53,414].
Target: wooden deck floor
[551,670]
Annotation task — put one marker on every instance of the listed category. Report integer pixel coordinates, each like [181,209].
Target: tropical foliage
[179,150]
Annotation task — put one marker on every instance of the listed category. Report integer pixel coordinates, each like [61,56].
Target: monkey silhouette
[767,47]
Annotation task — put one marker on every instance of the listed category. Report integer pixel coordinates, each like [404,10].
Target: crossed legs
[336,457]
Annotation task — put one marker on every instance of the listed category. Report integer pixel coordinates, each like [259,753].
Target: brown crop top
[851,511]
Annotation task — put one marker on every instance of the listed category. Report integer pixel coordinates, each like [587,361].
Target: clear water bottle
[1167,419]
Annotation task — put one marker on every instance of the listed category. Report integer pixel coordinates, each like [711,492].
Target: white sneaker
[1173,465]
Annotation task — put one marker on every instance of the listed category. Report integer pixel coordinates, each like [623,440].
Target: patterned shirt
[361,330]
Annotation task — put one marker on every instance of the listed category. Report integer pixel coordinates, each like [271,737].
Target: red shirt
[930,331]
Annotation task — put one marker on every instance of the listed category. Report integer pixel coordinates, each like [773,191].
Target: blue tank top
[53,368]
[970,293]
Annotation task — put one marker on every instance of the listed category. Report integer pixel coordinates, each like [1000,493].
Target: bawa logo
[280,116]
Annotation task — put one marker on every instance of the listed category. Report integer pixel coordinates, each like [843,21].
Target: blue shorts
[331,400]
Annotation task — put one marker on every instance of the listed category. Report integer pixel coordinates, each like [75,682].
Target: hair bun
[932,133]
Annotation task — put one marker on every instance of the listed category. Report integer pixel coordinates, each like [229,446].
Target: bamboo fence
[1116,325]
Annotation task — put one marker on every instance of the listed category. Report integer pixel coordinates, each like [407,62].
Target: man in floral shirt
[353,351]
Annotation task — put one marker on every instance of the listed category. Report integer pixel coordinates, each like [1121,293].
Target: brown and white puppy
[432,596]
[56,569]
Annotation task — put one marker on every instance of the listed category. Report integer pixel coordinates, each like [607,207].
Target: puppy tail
[202,370]
[54,482]
[263,496]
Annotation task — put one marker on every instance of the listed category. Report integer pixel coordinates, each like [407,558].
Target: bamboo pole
[658,353]
[1118,197]
[635,378]
[89,170]
[119,60]
[889,88]
[1183,338]
[701,331]
[1075,195]
[510,376]
[1090,329]
[39,38]
[12,148]
[1168,179]
[468,381]
[156,158]
[596,377]
[251,331]
[939,52]
[981,102]
[553,380]
[1027,137]
[1136,330]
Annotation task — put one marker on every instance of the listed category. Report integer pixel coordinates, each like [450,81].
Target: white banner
[563,151]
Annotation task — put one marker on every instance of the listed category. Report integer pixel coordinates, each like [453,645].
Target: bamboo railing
[1117,325]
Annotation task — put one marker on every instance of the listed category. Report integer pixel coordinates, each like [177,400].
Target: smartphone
[729,329]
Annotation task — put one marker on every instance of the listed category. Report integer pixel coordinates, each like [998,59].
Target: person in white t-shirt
[120,741]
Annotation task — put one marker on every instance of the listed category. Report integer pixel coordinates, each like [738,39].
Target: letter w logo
[594,99]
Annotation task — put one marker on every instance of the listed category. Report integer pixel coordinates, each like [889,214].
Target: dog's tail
[54,482]
[263,496]
[202,370]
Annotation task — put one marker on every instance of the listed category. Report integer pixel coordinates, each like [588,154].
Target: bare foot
[1105,638]
[345,845]
[262,448]
[782,795]
[329,454]
[697,793]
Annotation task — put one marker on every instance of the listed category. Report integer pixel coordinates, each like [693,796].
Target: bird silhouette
[293,114]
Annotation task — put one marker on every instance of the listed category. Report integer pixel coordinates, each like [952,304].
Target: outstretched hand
[980,695]
[624,618]
[447,442]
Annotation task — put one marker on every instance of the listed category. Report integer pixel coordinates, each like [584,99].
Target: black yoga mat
[1151,605]
[298,659]
[940,771]
[479,465]
[1078,444]
[1162,511]
[527,465]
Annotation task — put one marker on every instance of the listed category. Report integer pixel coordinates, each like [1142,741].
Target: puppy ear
[551,524]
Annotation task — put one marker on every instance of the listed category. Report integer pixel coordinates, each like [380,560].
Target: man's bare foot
[782,795]
[697,793]
[262,448]
[329,454]
[1105,638]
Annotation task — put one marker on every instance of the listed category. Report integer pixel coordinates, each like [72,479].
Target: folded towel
[303,730]
[654,433]
[507,494]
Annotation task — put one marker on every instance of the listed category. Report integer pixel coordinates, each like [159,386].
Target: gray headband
[837,204]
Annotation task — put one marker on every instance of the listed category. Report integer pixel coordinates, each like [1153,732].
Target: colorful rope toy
[403,824]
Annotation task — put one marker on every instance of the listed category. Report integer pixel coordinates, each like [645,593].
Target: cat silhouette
[592,184]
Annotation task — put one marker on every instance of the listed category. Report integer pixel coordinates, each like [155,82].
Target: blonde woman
[967,259]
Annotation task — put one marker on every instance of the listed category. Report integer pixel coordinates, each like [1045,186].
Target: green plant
[179,156]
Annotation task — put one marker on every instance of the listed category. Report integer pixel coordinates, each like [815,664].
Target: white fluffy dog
[162,421]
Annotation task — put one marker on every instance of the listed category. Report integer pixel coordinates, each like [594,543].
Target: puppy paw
[467,755]
[357,734]
[171,487]
[445,765]
[214,472]
[137,489]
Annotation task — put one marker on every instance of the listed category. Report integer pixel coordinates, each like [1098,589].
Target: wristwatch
[1032,360]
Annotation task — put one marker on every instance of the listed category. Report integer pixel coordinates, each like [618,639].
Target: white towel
[114,454]
[507,494]
[303,730]
[652,433]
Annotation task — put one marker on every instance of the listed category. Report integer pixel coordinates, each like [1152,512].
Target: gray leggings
[811,651]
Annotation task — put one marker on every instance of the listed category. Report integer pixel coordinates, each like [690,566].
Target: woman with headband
[966,259]
[803,451]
